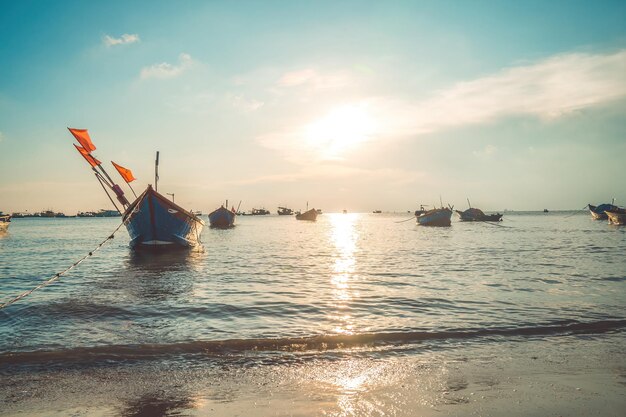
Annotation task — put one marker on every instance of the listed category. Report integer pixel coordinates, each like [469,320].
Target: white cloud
[548,89]
[122,40]
[166,70]
[245,104]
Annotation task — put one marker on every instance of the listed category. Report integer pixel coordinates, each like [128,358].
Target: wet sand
[557,376]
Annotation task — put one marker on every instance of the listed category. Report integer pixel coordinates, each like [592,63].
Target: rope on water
[406,220]
[576,212]
[58,275]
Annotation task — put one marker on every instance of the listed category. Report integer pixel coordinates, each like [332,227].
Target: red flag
[126,173]
[92,161]
[82,136]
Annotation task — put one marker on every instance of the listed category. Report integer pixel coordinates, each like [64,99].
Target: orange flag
[126,173]
[82,136]
[92,161]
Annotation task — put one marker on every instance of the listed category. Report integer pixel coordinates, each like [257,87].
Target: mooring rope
[58,275]
[406,220]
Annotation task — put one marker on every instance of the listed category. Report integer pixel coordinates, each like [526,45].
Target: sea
[274,290]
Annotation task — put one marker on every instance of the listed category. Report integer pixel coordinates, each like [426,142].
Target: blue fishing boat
[152,220]
[223,218]
[435,217]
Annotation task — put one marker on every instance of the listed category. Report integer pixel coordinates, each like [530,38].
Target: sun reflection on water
[344,236]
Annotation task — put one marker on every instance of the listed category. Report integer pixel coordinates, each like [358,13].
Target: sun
[342,129]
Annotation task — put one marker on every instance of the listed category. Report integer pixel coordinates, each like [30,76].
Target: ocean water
[275,284]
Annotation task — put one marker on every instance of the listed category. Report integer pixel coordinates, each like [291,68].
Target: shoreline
[543,376]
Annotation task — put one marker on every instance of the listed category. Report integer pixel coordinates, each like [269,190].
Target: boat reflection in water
[150,275]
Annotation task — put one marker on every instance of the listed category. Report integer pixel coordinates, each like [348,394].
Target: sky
[356,105]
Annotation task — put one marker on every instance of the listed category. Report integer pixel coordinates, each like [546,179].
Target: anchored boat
[310,215]
[152,220]
[617,216]
[5,220]
[223,218]
[435,217]
[599,212]
[284,211]
[473,214]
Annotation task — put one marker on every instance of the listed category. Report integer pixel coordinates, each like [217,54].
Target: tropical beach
[312,209]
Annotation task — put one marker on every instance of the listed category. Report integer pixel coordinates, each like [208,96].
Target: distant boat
[376,211]
[345,211]
[310,215]
[284,211]
[545,211]
[319,211]
[259,212]
[152,220]
[599,212]
[107,213]
[5,220]
[435,217]
[222,218]
[617,216]
[49,214]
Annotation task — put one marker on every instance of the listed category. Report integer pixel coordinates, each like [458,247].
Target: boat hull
[222,218]
[154,222]
[616,218]
[4,223]
[599,212]
[477,215]
[436,217]
[310,215]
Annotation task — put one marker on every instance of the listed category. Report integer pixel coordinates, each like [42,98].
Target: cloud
[245,104]
[548,89]
[123,40]
[166,70]
[554,87]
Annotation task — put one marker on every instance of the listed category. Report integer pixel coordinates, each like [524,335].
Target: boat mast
[156,172]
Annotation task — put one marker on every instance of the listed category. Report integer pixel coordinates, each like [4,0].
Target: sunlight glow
[342,129]
[344,236]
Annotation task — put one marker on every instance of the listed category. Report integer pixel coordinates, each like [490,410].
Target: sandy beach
[557,376]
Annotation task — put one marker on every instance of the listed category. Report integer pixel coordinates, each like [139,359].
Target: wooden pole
[100,180]
[156,172]
[131,189]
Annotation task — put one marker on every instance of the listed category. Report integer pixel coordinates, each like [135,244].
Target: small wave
[297,344]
